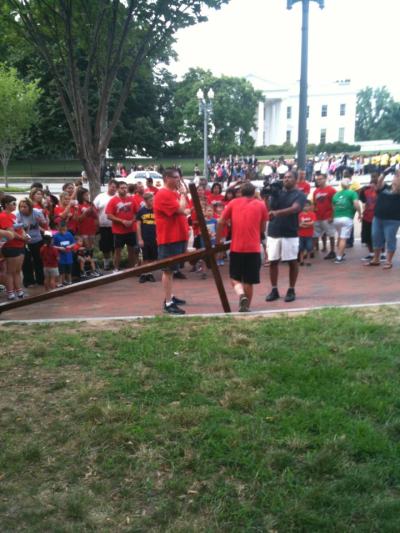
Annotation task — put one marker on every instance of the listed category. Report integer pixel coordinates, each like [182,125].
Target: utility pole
[302,135]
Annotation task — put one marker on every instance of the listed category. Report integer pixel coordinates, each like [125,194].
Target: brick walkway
[322,284]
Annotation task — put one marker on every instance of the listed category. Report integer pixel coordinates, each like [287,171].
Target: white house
[331,112]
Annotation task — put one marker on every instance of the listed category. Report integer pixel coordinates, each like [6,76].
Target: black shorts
[366,233]
[12,252]
[65,269]
[245,267]
[122,239]
[150,252]
[106,243]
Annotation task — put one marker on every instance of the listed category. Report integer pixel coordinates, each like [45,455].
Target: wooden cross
[208,252]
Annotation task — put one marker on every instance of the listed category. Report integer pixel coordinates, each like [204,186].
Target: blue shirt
[64,239]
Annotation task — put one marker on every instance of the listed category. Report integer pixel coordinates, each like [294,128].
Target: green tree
[233,117]
[374,114]
[18,102]
[90,46]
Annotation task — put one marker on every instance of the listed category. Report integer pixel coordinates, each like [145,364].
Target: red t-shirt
[247,215]
[152,189]
[72,223]
[171,226]
[88,224]
[211,198]
[304,186]
[307,217]
[368,196]
[49,256]
[7,221]
[323,202]
[125,209]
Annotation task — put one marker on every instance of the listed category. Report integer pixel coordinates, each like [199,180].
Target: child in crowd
[87,219]
[49,255]
[87,265]
[63,241]
[307,219]
[146,234]
[211,223]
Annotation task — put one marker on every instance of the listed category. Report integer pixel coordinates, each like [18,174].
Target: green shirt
[343,205]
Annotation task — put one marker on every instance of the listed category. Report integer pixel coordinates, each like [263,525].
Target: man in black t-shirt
[283,241]
[146,234]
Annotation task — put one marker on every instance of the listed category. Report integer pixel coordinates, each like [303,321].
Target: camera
[271,187]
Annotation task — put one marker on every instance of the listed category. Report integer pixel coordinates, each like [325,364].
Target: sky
[356,39]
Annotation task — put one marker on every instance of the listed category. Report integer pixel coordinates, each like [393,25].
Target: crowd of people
[54,241]
[230,169]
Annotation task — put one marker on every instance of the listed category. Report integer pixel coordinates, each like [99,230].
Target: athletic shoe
[84,275]
[96,274]
[151,278]
[367,257]
[243,304]
[273,295]
[21,294]
[115,270]
[339,260]
[143,278]
[179,275]
[173,309]
[290,296]
[331,255]
[2,288]
[11,296]
[178,301]
[383,257]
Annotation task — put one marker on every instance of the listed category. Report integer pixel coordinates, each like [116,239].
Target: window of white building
[341,135]
[324,111]
[322,138]
[288,112]
[289,136]
[342,110]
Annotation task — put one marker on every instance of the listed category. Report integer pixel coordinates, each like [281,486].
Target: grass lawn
[256,425]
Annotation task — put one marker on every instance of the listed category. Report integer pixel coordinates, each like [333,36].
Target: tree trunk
[92,165]
[4,161]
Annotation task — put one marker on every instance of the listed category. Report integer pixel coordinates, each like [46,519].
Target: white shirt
[101,202]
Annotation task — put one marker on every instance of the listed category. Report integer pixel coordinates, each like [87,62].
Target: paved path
[324,284]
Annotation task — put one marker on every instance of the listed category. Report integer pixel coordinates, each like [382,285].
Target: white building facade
[331,113]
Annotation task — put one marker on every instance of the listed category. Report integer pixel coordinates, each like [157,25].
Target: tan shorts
[51,272]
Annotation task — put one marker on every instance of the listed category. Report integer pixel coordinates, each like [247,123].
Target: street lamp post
[205,108]
[302,136]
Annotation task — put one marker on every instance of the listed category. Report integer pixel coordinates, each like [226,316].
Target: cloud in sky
[356,39]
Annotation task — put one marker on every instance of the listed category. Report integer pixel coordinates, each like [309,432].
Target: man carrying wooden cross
[172,230]
[248,217]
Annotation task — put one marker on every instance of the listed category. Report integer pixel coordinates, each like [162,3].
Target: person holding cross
[172,231]
[248,217]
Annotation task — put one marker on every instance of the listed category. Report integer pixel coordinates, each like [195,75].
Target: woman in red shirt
[87,219]
[216,194]
[67,210]
[14,249]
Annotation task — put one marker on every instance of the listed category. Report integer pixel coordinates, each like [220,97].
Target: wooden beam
[210,250]
[110,278]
